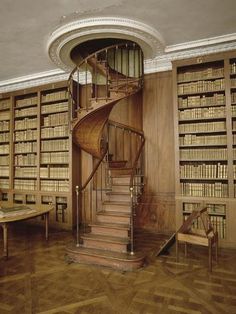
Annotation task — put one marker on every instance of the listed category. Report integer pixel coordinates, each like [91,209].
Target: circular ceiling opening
[64,41]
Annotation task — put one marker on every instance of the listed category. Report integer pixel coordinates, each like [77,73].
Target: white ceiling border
[159,63]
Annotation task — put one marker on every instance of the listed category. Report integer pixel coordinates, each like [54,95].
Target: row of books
[4,115]
[233,82]
[58,107]
[54,185]
[26,135]
[32,111]
[54,172]
[57,131]
[4,184]
[212,209]
[53,96]
[4,137]
[234,124]
[4,171]
[56,119]
[199,113]
[234,111]
[216,189]
[54,158]
[233,68]
[218,224]
[5,104]
[233,97]
[204,171]
[55,145]
[4,125]
[201,75]
[4,160]
[25,147]
[22,102]
[201,87]
[26,160]
[203,154]
[201,101]
[26,124]
[203,127]
[28,172]
[193,139]
[4,149]
[25,184]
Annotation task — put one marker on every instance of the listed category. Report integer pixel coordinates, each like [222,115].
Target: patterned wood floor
[38,279]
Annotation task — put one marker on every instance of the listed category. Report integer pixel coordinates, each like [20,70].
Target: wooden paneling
[158,206]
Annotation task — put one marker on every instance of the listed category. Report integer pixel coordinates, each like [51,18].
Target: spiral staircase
[106,202]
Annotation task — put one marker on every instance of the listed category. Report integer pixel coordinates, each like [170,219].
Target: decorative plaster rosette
[68,36]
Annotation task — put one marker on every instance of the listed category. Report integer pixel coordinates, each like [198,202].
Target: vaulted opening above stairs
[108,73]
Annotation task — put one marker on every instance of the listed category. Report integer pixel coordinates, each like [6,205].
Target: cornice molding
[160,63]
[66,37]
[33,80]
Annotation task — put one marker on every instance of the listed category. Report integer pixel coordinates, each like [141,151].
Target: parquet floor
[38,279]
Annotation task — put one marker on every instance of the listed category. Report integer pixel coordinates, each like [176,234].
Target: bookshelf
[36,143]
[5,145]
[205,140]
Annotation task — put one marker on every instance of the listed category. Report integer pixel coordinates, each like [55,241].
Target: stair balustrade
[100,81]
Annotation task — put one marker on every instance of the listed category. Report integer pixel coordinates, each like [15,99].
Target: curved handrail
[125,127]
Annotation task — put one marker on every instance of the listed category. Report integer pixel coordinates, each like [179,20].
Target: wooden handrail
[94,171]
[125,127]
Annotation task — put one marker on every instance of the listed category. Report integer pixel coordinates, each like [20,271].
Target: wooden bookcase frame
[229,202]
[63,215]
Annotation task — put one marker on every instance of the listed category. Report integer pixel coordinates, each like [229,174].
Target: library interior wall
[157,209]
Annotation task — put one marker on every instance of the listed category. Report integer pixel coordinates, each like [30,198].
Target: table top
[37,210]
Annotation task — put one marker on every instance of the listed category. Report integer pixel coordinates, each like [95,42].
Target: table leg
[5,240]
[216,248]
[46,225]
[185,249]
[210,255]
[177,249]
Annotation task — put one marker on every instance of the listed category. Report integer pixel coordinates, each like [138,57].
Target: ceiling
[26,25]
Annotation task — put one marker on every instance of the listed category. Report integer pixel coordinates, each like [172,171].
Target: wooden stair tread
[110,225]
[113,213]
[105,238]
[118,203]
[105,253]
[118,193]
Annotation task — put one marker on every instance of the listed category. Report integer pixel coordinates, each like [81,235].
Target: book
[14,211]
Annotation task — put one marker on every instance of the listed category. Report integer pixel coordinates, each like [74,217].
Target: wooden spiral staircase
[106,201]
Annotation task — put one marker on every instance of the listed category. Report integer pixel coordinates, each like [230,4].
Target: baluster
[78,91]
[107,74]
[91,201]
[115,143]
[134,67]
[116,66]
[96,78]
[130,146]
[86,84]
[132,221]
[123,144]
[77,216]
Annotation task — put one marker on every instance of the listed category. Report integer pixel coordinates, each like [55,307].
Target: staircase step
[120,261]
[117,164]
[119,196]
[121,180]
[120,230]
[113,217]
[117,206]
[120,171]
[105,242]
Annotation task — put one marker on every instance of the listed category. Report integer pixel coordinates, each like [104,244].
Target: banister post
[132,223]
[77,217]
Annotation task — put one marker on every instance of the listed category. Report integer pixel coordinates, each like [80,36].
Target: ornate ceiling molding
[158,63]
[66,37]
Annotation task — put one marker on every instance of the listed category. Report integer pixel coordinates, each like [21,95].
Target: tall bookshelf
[5,146]
[205,140]
[36,143]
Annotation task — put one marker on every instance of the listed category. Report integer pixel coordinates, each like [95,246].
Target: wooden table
[39,210]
